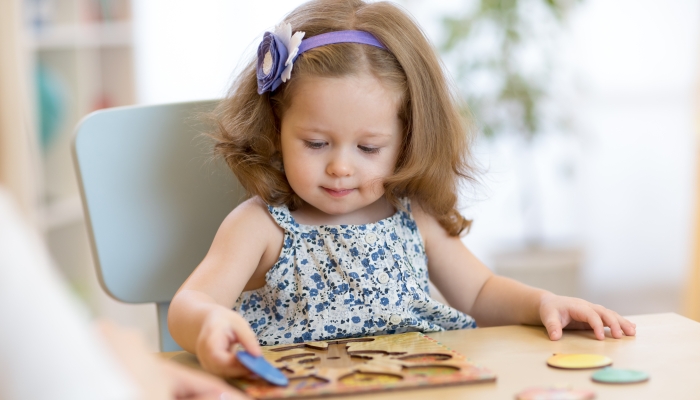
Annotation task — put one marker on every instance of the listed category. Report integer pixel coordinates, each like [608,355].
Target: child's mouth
[338,192]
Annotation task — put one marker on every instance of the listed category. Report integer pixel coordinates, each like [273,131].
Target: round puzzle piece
[546,393]
[578,361]
[368,378]
[615,375]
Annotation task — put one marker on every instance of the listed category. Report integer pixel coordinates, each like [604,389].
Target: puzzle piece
[578,361]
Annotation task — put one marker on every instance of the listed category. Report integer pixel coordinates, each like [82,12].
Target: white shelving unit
[81,53]
[84,50]
[90,35]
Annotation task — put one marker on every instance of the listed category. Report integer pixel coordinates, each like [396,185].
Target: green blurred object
[512,31]
[51,96]
[106,10]
[616,375]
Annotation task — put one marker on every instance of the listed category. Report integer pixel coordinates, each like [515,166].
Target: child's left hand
[559,312]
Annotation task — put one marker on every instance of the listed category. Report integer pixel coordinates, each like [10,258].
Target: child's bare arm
[504,300]
[471,287]
[456,272]
[200,317]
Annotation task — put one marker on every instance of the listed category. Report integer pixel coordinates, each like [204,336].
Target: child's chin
[337,209]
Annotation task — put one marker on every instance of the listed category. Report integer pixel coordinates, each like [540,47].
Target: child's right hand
[221,331]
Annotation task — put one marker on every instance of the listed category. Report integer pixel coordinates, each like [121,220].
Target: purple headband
[279,49]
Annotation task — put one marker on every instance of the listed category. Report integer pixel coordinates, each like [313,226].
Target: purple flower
[276,55]
[272,54]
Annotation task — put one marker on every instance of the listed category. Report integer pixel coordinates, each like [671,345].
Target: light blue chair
[154,198]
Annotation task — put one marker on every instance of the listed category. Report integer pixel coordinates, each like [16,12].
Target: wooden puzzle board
[390,362]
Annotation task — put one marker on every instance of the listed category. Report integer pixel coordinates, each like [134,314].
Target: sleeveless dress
[339,281]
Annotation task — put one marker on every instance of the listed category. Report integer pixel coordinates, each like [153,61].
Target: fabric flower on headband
[279,49]
[276,56]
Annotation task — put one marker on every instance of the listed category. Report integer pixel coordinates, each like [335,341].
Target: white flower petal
[295,41]
[293,47]
[287,73]
[290,59]
[284,32]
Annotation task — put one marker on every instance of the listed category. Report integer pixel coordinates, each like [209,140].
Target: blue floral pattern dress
[339,281]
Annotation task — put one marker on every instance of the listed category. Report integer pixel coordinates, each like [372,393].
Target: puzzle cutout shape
[325,368]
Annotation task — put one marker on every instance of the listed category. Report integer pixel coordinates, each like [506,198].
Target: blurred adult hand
[161,379]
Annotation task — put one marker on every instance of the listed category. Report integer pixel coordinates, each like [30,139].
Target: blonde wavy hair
[435,150]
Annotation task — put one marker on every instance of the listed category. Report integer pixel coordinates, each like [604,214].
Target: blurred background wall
[18,153]
[607,205]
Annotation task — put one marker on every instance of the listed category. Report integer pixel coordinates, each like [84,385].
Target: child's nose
[339,166]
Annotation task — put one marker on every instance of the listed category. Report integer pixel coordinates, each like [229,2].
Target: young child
[349,141]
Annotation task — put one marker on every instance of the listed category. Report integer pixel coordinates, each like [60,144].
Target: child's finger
[213,353]
[610,320]
[552,322]
[223,362]
[593,319]
[630,328]
[246,337]
[228,366]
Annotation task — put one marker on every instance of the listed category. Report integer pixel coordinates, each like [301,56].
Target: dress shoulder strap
[407,215]
[406,203]
[283,217]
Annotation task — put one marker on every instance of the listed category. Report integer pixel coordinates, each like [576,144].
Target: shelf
[88,35]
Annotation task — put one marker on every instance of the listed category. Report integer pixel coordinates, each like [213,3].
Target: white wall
[622,187]
[187,49]
[639,178]
[632,198]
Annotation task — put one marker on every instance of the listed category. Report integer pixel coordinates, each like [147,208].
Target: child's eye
[314,145]
[369,150]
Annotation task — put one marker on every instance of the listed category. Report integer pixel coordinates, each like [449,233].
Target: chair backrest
[153,197]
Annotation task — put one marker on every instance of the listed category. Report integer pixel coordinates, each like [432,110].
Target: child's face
[340,138]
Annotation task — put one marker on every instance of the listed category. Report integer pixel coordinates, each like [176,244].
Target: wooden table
[667,346]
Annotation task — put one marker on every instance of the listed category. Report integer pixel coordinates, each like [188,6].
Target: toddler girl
[346,135]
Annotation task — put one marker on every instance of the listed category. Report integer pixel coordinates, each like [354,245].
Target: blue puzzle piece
[260,367]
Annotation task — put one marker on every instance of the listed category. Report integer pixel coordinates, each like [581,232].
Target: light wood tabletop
[667,346]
